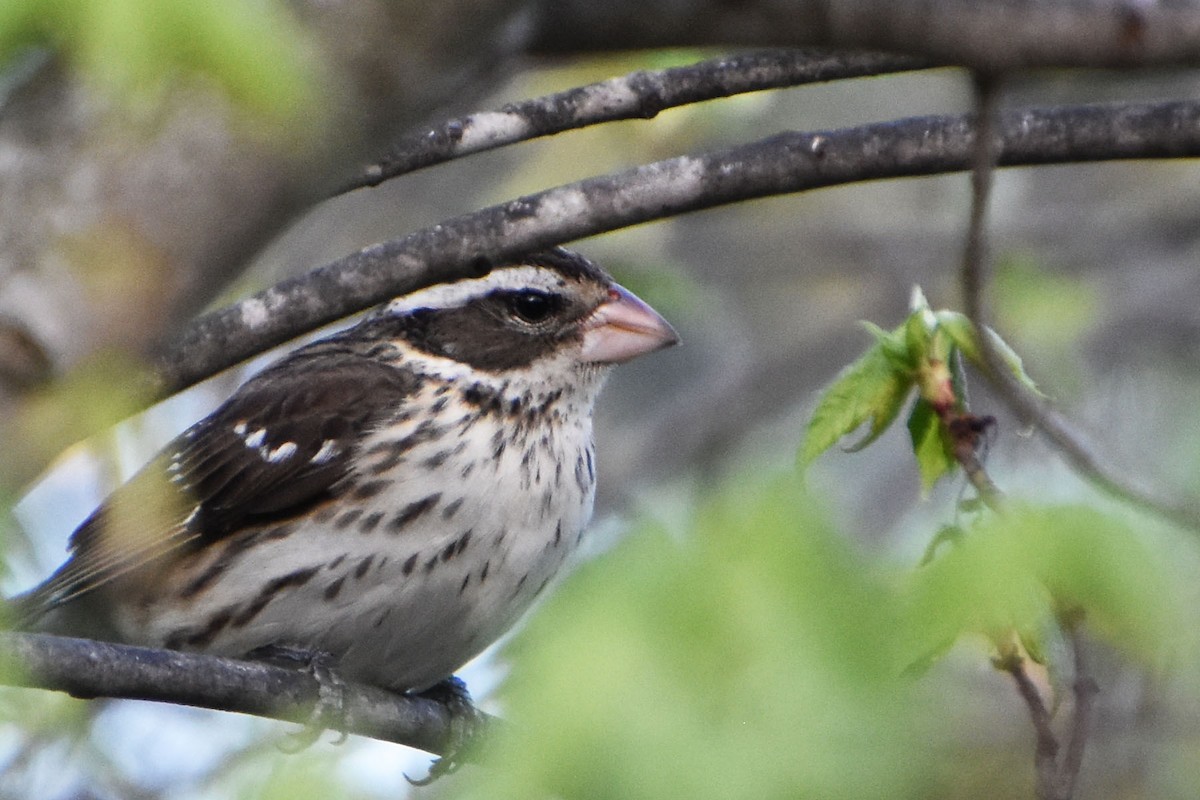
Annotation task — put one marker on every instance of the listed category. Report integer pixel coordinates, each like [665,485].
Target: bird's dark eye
[532,307]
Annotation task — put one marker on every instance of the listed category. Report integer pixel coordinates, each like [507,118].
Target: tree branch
[991,35]
[788,162]
[1084,690]
[1047,747]
[638,95]
[86,668]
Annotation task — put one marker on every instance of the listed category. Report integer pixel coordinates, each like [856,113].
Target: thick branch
[788,162]
[639,95]
[86,668]
[985,34]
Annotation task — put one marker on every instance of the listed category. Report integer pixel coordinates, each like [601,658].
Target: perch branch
[86,668]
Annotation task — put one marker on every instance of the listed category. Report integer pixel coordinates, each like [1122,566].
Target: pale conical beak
[624,327]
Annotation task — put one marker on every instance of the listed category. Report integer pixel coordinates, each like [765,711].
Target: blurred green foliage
[755,657]
[1017,572]
[759,655]
[95,395]
[255,51]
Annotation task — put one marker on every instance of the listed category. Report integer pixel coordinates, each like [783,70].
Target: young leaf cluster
[921,356]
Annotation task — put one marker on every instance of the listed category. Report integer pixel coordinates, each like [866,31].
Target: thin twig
[1045,756]
[1085,690]
[638,95]
[1014,664]
[966,432]
[1055,777]
[984,155]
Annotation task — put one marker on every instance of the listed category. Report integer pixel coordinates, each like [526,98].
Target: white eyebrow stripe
[453,295]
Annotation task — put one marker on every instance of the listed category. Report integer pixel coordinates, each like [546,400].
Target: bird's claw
[329,710]
[465,723]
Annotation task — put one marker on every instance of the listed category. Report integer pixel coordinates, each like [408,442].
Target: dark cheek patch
[480,339]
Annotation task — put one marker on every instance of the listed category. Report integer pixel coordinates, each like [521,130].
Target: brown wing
[279,445]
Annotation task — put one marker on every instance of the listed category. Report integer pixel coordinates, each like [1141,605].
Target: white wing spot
[328,450]
[255,439]
[240,428]
[284,451]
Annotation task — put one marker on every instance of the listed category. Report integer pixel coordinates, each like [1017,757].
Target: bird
[393,497]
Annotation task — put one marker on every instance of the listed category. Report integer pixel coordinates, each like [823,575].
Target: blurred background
[729,634]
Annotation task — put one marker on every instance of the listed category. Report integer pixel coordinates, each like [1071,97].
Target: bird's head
[549,315]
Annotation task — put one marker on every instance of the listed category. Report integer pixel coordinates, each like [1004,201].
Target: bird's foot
[465,722]
[329,710]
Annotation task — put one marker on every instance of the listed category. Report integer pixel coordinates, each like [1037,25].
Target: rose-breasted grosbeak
[393,496]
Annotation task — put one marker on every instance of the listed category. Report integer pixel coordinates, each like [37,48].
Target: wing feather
[282,443]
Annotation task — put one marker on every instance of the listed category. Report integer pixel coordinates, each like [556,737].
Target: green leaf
[1013,361]
[917,335]
[871,389]
[965,335]
[894,345]
[961,331]
[931,444]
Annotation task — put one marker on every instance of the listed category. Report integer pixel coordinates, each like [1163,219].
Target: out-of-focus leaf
[869,390]
[255,51]
[755,658]
[99,392]
[931,444]
[1017,571]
